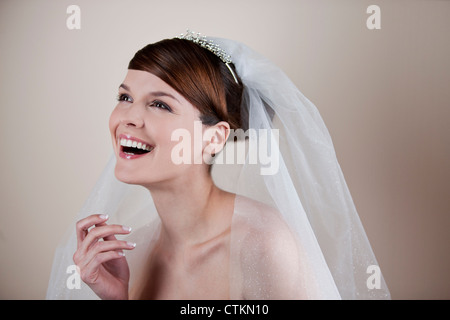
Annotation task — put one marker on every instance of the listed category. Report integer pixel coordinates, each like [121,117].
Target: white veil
[300,192]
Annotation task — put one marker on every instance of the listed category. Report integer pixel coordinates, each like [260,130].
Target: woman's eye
[124,97]
[160,105]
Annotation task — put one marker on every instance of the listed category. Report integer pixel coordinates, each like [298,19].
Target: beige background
[384,95]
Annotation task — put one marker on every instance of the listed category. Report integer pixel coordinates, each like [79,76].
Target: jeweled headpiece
[209,44]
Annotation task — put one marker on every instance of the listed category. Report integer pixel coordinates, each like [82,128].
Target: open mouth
[131,148]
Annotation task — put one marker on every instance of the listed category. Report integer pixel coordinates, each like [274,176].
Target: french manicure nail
[131,244]
[104,216]
[127,229]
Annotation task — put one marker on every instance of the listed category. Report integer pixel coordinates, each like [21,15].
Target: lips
[132,147]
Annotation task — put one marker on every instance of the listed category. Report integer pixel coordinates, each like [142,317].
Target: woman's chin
[124,175]
[127,177]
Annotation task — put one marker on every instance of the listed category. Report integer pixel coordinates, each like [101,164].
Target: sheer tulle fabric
[295,231]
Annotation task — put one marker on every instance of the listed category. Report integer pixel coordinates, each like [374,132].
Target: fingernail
[131,244]
[127,229]
[121,253]
[104,216]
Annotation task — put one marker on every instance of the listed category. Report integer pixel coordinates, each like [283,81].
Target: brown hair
[197,74]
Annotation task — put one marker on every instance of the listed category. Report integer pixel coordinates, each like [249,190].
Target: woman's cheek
[113,124]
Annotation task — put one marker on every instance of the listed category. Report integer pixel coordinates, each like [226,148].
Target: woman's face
[147,114]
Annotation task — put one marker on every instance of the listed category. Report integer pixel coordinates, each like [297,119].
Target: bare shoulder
[268,255]
[260,223]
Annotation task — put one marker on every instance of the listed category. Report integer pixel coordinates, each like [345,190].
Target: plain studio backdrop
[383,93]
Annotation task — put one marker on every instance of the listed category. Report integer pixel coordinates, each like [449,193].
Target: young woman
[205,231]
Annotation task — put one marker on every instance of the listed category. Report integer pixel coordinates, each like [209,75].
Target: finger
[102,232]
[83,225]
[105,246]
[89,272]
[107,238]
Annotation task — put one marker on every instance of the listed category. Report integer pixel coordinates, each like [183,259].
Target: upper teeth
[131,143]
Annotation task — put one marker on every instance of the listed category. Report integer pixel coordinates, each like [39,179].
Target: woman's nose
[133,117]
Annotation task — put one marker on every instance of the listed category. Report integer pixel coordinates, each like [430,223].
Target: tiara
[209,44]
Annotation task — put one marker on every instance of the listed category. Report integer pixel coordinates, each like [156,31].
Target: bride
[202,230]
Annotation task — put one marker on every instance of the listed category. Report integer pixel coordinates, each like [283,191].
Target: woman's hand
[102,264]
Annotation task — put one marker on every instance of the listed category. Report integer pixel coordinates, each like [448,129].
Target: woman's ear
[214,139]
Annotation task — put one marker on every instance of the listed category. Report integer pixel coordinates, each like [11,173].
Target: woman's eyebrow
[123,85]
[153,93]
[163,94]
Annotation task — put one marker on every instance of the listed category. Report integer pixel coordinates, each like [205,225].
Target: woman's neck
[193,210]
